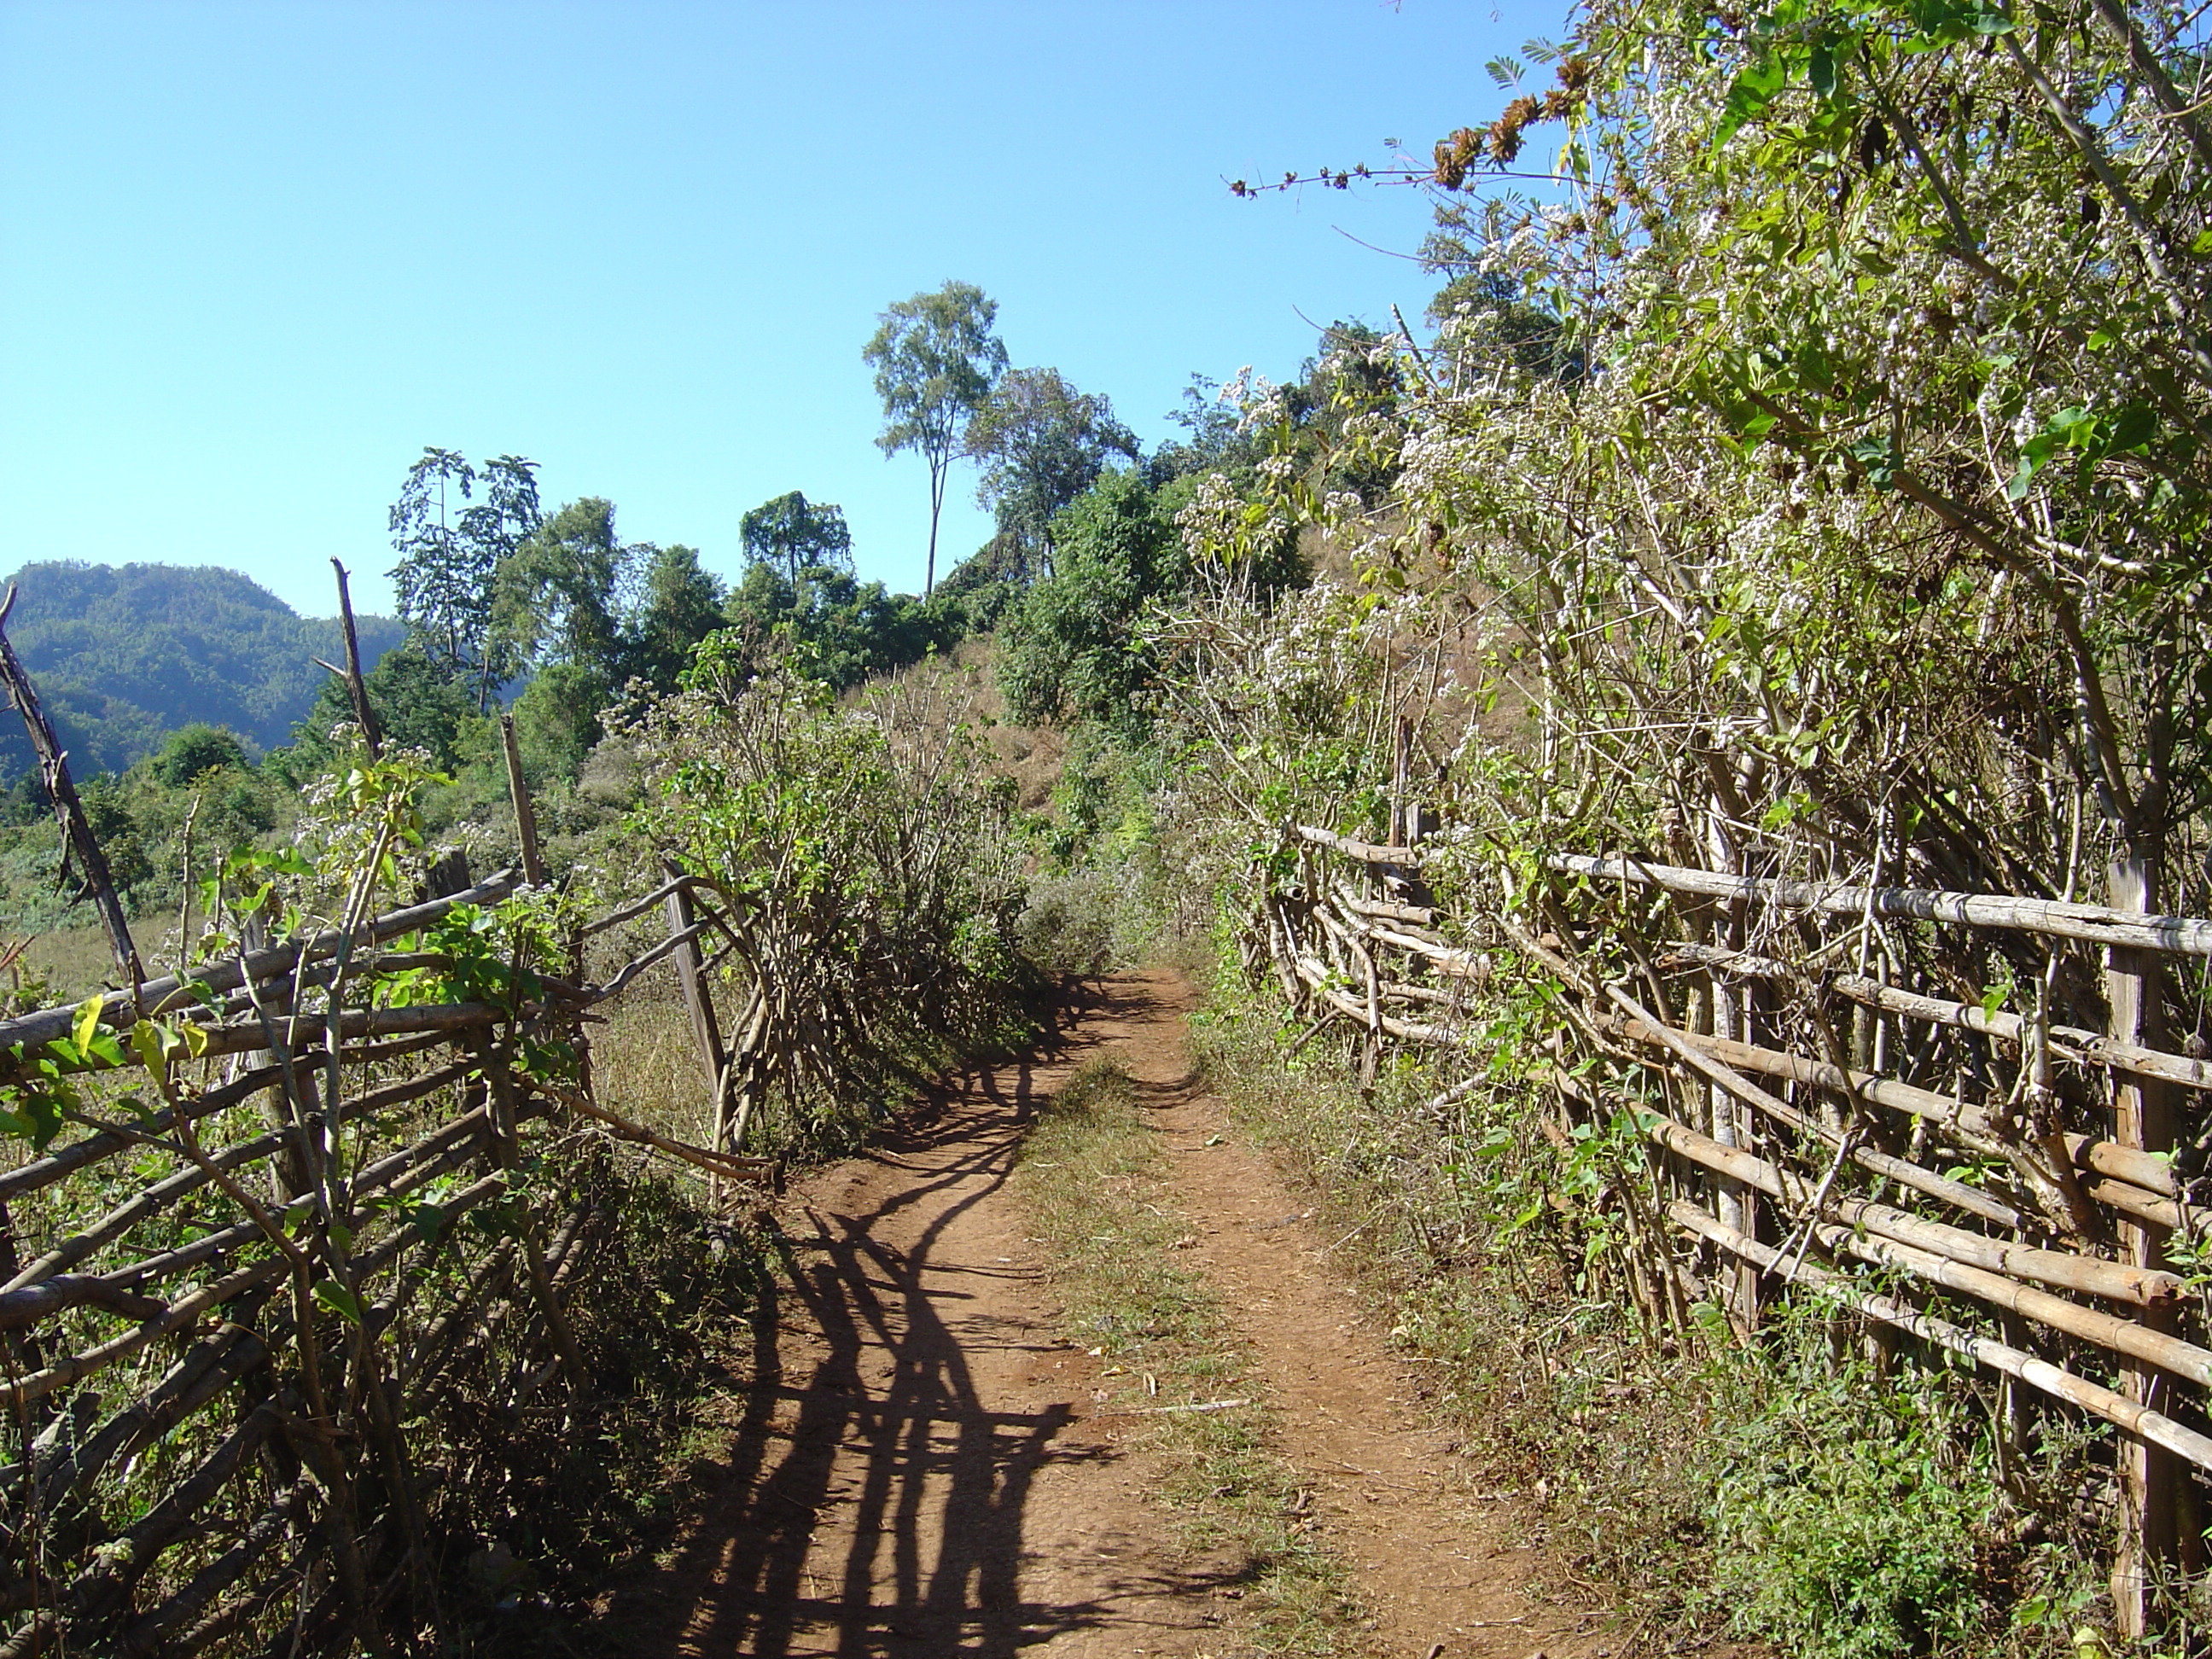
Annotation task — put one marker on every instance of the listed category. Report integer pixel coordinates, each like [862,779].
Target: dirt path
[919,1472]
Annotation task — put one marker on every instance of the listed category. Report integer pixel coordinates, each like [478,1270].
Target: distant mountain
[123,655]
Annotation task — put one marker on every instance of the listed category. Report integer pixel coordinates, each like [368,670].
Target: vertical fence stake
[68,810]
[526,815]
[2155,1495]
[356,685]
[691,976]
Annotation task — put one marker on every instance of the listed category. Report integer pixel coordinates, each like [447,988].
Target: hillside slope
[125,654]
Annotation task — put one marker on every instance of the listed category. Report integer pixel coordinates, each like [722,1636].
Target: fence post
[525,815]
[690,976]
[76,830]
[2156,1498]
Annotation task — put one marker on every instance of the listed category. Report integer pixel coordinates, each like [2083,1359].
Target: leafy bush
[865,860]
[1852,1513]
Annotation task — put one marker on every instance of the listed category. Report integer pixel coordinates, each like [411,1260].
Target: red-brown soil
[923,1466]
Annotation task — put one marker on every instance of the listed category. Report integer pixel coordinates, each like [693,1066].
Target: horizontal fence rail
[1865,1136]
[264,1256]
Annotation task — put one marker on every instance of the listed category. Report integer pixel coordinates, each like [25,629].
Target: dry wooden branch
[166,995]
[2069,1042]
[61,791]
[175,1316]
[105,1143]
[1420,916]
[731,1166]
[265,1532]
[1316,974]
[68,1252]
[27,1306]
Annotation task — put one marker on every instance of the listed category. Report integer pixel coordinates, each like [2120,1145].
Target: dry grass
[71,963]
[1096,1189]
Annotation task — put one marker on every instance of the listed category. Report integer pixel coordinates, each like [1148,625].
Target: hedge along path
[288,1221]
[1798,1135]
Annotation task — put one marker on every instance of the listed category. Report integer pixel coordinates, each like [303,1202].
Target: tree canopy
[936,360]
[797,535]
[452,546]
[1041,443]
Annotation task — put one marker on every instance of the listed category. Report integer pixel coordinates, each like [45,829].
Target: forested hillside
[125,655]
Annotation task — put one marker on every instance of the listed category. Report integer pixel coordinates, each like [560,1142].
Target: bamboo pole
[1361,852]
[2039,1374]
[2156,1511]
[2094,924]
[2131,1337]
[2061,1269]
[2106,1158]
[1957,1194]
[2069,1042]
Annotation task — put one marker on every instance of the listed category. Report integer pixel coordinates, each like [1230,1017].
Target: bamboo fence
[1828,1110]
[290,1232]
[271,1271]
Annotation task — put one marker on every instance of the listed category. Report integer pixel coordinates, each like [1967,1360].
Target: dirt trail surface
[924,1466]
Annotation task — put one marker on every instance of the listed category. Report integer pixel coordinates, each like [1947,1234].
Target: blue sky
[254,257]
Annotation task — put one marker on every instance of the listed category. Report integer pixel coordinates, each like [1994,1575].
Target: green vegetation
[124,655]
[1813,482]
[1812,479]
[871,858]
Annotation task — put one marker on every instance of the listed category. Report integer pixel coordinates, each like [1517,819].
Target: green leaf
[88,1021]
[146,1042]
[340,1301]
[1822,71]
[1756,86]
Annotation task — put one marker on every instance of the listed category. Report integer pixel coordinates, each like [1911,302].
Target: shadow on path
[876,1498]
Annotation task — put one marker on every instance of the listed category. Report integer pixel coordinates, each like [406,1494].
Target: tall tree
[797,535]
[681,605]
[559,595]
[1041,444]
[936,360]
[450,555]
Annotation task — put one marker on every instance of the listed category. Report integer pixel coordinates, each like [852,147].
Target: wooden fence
[1997,1182]
[291,1246]
[237,1301]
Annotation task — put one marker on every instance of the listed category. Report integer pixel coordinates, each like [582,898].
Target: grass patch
[1093,1184]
